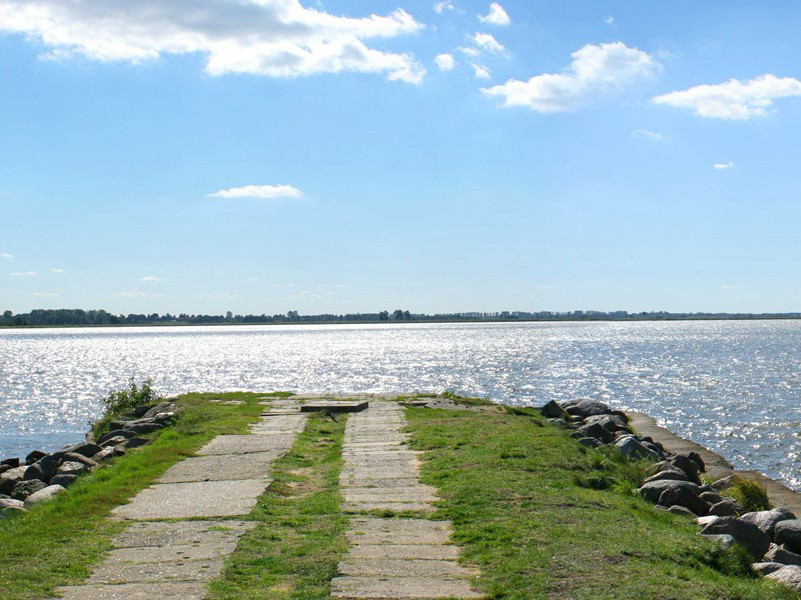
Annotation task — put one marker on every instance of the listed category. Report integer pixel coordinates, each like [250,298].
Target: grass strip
[300,539]
[58,542]
[520,495]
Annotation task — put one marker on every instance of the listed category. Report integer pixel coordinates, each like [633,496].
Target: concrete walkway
[389,557]
[174,559]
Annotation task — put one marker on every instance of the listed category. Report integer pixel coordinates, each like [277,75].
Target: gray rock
[590,442]
[10,503]
[711,497]
[143,428]
[10,478]
[765,568]
[71,468]
[135,442]
[4,468]
[117,440]
[681,496]
[780,554]
[89,463]
[723,483]
[63,480]
[631,448]
[108,453]
[87,449]
[680,510]
[558,422]
[598,432]
[724,539]
[587,408]
[655,449]
[652,490]
[696,458]
[114,433]
[611,422]
[766,519]
[688,466]
[788,532]
[43,495]
[12,462]
[725,508]
[34,456]
[746,534]
[553,410]
[789,575]
[160,408]
[42,469]
[669,475]
[25,488]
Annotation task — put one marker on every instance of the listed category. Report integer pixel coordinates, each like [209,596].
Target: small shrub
[752,495]
[121,401]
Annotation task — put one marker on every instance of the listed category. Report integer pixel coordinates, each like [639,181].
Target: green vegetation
[122,401]
[295,550]
[57,543]
[752,495]
[510,485]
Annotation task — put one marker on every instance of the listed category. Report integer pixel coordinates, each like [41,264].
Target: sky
[261,156]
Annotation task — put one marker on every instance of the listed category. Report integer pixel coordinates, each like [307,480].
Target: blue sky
[275,155]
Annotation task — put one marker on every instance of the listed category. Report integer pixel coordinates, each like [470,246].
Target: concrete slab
[381,588]
[399,525]
[396,567]
[198,499]
[188,571]
[405,551]
[244,444]
[363,506]
[135,591]
[220,467]
[171,533]
[181,552]
[384,537]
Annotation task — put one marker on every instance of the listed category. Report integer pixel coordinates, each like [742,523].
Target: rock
[63,480]
[789,575]
[90,463]
[108,453]
[711,497]
[724,539]
[724,483]
[688,466]
[10,478]
[553,410]
[4,468]
[699,462]
[681,496]
[12,512]
[117,440]
[558,422]
[703,521]
[590,442]
[654,448]
[115,433]
[43,495]
[13,462]
[725,508]
[747,534]
[621,414]
[42,469]
[766,519]
[587,408]
[137,412]
[10,503]
[72,468]
[87,449]
[143,428]
[663,475]
[631,448]
[680,510]
[788,532]
[135,443]
[598,432]
[780,554]
[651,491]
[34,456]
[160,408]
[23,489]
[765,568]
[611,422]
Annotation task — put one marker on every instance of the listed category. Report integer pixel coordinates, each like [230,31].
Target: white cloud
[441,7]
[496,16]
[24,274]
[58,271]
[45,294]
[609,20]
[151,279]
[259,191]
[595,69]
[650,135]
[481,72]
[488,43]
[445,62]
[721,166]
[469,51]
[275,38]
[6,255]
[734,100]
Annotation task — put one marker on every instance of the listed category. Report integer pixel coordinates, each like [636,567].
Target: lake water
[733,386]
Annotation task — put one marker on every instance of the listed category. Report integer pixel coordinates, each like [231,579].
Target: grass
[516,491]
[58,542]
[752,495]
[294,551]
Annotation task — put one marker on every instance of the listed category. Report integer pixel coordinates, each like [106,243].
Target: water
[733,386]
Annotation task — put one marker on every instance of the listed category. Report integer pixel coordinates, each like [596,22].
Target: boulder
[4,468]
[587,408]
[135,442]
[699,462]
[25,488]
[590,442]
[680,510]
[689,468]
[114,433]
[654,448]
[161,407]
[724,539]
[108,453]
[704,521]
[598,432]
[558,422]
[652,490]
[662,475]
[12,462]
[765,568]
[788,532]
[766,519]
[746,534]
[34,456]
[621,414]
[611,422]
[63,480]
[711,497]
[71,468]
[725,508]
[43,495]
[137,412]
[143,428]
[87,449]
[681,496]
[89,463]
[42,469]
[10,503]
[780,554]
[631,448]
[723,483]
[789,575]
[117,440]
[553,410]
[10,478]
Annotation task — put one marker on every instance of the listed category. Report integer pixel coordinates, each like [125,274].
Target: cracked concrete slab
[135,591]
[244,444]
[173,533]
[220,467]
[382,588]
[189,571]
[182,552]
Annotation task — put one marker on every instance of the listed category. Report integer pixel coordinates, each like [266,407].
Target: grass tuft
[751,495]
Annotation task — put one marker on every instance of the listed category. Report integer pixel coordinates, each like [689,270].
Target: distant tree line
[77,316]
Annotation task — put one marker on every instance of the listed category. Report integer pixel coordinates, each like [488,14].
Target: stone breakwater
[771,537]
[41,476]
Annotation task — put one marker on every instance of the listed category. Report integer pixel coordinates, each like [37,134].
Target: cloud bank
[274,38]
[259,191]
[595,69]
[733,100]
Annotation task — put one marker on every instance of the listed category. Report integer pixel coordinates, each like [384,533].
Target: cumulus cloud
[445,62]
[6,255]
[733,100]
[24,274]
[481,72]
[259,191]
[151,279]
[595,69]
[721,166]
[649,135]
[274,38]
[58,271]
[441,7]
[469,51]
[488,43]
[496,16]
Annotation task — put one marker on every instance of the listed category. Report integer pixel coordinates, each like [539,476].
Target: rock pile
[42,476]
[772,537]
